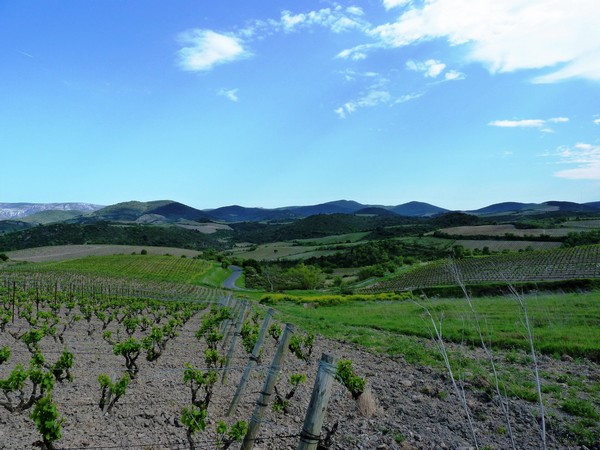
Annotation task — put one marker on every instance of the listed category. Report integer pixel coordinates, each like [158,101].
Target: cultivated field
[549,265]
[63,252]
[501,230]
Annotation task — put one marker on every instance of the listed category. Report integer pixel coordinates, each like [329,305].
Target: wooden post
[238,328]
[14,292]
[315,414]
[267,390]
[230,323]
[251,363]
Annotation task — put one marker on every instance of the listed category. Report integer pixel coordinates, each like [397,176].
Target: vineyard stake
[267,390]
[315,414]
[252,361]
[229,324]
[238,327]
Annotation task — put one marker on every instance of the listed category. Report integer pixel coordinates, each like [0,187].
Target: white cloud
[205,49]
[334,19]
[389,4]
[453,75]
[585,156]
[356,53]
[230,94]
[526,123]
[597,121]
[431,68]
[376,95]
[355,10]
[507,35]
[529,123]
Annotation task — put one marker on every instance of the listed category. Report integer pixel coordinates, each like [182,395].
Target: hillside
[106,233]
[20,210]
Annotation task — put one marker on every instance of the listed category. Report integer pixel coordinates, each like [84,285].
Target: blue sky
[459,103]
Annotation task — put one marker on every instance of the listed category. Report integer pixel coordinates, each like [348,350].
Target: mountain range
[168,211]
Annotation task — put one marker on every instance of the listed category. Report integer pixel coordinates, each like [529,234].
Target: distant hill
[375,211]
[52,216]
[417,209]
[335,207]
[572,207]
[236,213]
[165,212]
[106,233]
[502,208]
[20,210]
[159,211]
[8,226]
[593,204]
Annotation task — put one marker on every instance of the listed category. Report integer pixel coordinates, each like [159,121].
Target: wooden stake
[267,390]
[251,363]
[315,414]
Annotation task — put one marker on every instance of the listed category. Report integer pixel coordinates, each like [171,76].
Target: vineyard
[537,266]
[111,353]
[88,364]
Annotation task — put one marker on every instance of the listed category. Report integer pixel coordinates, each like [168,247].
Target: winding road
[229,283]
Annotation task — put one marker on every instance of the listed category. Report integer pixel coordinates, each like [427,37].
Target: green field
[155,268]
[563,324]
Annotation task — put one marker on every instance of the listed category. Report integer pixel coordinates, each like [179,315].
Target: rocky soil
[413,407]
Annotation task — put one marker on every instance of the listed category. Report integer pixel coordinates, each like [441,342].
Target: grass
[566,324]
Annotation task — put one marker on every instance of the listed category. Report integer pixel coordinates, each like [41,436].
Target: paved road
[229,283]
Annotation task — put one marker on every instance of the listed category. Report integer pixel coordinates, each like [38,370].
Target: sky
[458,103]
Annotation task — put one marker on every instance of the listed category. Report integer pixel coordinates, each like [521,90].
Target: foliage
[111,392]
[354,383]
[275,331]
[194,420]
[130,350]
[249,333]
[106,233]
[282,402]
[47,421]
[227,436]
[62,368]
[582,238]
[24,387]
[301,346]
[333,300]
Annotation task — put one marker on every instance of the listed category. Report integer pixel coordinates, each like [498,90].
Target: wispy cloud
[526,123]
[505,36]
[389,4]
[541,124]
[230,94]
[336,19]
[372,98]
[597,121]
[585,156]
[205,49]
[380,92]
[430,68]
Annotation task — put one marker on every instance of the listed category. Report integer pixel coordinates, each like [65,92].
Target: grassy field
[279,250]
[563,324]
[141,267]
